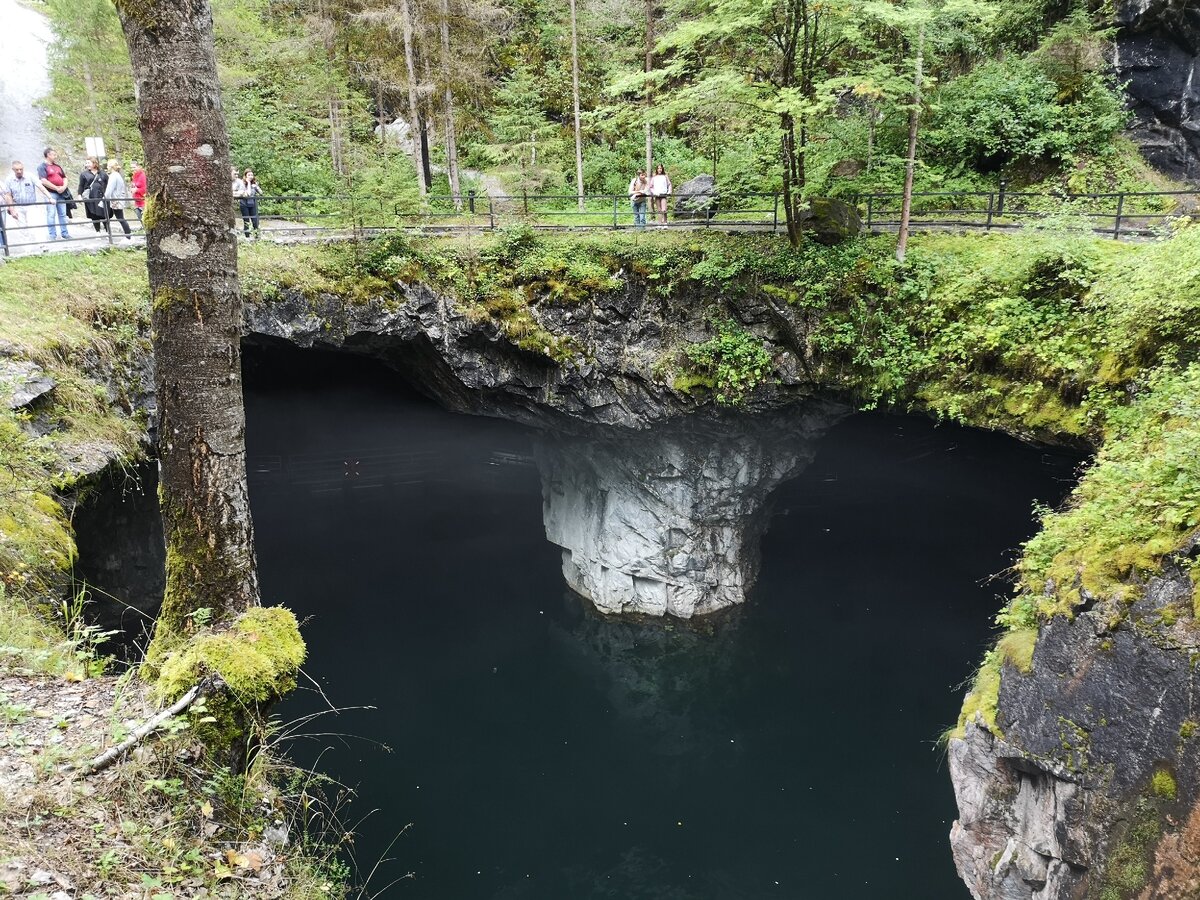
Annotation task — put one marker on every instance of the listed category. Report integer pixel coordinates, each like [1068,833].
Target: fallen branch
[112,754]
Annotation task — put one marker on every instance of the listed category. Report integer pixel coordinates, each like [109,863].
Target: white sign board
[94,146]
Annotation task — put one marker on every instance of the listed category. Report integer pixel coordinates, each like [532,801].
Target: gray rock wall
[1157,56]
[1064,805]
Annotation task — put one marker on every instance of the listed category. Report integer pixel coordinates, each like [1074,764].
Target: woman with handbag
[116,198]
[92,182]
[247,198]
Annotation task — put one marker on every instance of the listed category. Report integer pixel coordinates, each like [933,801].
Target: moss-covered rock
[257,657]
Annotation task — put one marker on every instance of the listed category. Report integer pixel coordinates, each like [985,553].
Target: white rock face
[667,522]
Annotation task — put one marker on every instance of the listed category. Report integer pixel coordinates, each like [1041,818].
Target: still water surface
[785,751]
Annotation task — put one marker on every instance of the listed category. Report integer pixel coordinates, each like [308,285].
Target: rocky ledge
[1090,785]
[622,338]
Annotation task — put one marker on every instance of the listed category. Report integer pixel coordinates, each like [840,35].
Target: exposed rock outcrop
[468,363]
[668,521]
[1157,56]
[1099,762]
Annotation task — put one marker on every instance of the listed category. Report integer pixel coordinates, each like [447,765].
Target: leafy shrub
[1137,503]
[1012,110]
[734,359]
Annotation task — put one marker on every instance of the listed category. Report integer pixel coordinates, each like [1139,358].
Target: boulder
[831,221]
[23,381]
[402,135]
[697,198]
[847,168]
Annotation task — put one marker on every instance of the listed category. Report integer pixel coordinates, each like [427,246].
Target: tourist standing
[116,198]
[660,190]
[20,193]
[248,200]
[639,190]
[53,180]
[137,177]
[92,182]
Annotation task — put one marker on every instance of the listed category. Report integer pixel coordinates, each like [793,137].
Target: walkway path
[24,44]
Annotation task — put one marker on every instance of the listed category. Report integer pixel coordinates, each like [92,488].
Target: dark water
[786,751]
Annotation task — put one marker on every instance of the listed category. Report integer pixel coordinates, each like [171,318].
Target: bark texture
[197,316]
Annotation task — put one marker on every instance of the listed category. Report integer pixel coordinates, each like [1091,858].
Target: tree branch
[112,754]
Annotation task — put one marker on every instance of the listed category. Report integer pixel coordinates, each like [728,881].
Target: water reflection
[661,676]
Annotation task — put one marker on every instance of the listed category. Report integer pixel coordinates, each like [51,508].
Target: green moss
[982,700]
[1016,647]
[158,204]
[1129,861]
[1187,729]
[166,297]
[1163,785]
[257,657]
[687,382]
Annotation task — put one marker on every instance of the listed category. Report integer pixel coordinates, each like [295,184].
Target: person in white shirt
[639,191]
[19,194]
[660,190]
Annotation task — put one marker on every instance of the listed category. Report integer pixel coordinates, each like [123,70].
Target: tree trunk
[451,138]
[379,116]
[414,117]
[336,148]
[196,318]
[793,181]
[649,68]
[914,116]
[575,94]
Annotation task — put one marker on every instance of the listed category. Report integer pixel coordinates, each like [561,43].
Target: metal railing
[298,217]
[1119,214]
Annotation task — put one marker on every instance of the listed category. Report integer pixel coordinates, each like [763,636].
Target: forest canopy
[761,94]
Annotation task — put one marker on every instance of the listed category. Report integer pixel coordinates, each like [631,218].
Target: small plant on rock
[735,360]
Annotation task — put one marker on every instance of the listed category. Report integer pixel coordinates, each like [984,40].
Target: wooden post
[991,206]
[616,211]
[1120,210]
[870,210]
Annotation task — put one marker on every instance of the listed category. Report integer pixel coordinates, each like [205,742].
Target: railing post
[1120,210]
[1000,198]
[870,210]
[616,211]
[525,200]
[471,201]
[491,214]
[991,207]
[775,214]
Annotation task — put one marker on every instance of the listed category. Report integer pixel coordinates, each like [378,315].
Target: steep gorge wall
[1157,55]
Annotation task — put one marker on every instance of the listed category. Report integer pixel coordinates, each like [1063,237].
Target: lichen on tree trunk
[196,318]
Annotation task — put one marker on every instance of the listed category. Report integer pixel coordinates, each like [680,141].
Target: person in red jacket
[137,176]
